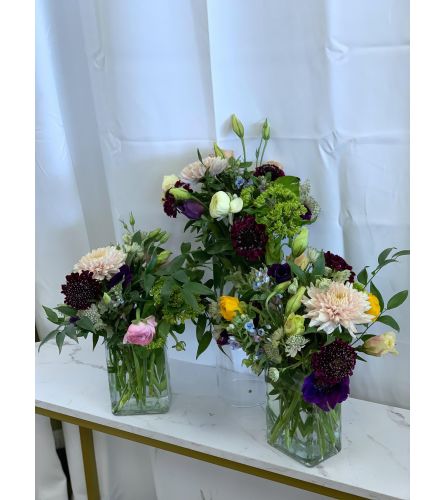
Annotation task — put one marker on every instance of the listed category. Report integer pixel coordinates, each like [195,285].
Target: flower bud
[218,151]
[163,256]
[154,234]
[294,303]
[294,324]
[282,287]
[302,261]
[300,242]
[266,130]
[380,345]
[237,126]
[132,221]
[180,193]
[164,238]
[106,298]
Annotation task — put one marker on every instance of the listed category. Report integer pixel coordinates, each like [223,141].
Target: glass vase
[237,384]
[138,378]
[302,430]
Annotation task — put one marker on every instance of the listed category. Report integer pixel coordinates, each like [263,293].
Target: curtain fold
[126,92]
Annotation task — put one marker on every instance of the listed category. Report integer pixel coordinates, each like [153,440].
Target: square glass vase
[138,378]
[301,430]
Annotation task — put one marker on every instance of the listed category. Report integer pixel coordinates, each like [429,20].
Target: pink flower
[141,333]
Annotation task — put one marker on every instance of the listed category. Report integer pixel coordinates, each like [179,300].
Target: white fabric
[126,92]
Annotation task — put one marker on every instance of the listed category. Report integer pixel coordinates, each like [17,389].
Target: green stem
[284,416]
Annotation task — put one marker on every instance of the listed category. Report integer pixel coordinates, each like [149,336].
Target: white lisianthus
[193,172]
[312,255]
[219,205]
[169,181]
[274,374]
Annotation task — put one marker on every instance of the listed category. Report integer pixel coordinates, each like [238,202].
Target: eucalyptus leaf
[390,321]
[203,343]
[50,336]
[85,324]
[66,310]
[362,276]
[60,337]
[51,315]
[383,255]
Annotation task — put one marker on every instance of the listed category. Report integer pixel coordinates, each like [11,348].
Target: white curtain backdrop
[127,90]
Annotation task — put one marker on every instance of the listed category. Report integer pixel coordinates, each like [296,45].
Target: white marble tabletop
[374,461]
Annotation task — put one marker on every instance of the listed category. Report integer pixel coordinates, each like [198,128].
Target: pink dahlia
[338,305]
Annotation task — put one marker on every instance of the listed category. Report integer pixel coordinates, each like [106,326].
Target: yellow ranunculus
[229,307]
[374,310]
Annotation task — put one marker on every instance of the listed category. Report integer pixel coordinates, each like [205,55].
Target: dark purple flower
[308,214]
[81,290]
[248,238]
[274,170]
[223,338]
[280,272]
[170,204]
[337,263]
[324,396]
[334,362]
[124,275]
[191,209]
[73,319]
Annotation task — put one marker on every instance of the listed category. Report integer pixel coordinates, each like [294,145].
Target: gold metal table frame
[89,462]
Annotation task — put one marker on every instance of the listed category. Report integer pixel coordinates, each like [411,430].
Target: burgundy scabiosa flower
[170,204]
[280,272]
[334,362]
[81,290]
[273,168]
[308,214]
[337,263]
[223,338]
[325,397]
[248,238]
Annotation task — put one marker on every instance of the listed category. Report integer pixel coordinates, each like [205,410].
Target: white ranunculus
[193,172]
[236,205]
[169,181]
[219,205]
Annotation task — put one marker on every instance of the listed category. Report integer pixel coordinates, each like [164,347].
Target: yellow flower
[374,310]
[229,307]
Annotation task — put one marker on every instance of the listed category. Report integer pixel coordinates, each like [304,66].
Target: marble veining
[374,461]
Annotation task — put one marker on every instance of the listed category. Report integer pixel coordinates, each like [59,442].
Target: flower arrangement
[305,323]
[133,297]
[241,211]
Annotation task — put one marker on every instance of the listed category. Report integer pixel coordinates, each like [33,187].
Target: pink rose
[141,333]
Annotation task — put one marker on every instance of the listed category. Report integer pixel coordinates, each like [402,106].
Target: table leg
[89,463]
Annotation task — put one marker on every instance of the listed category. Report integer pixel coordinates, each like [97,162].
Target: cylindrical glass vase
[138,378]
[237,384]
[302,430]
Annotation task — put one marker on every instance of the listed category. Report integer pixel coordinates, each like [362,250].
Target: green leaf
[51,315]
[85,324]
[384,254]
[397,299]
[50,336]
[70,331]
[60,337]
[137,237]
[163,328]
[173,266]
[181,276]
[148,309]
[179,328]
[186,247]
[152,263]
[203,343]
[319,266]
[401,252]
[290,182]
[149,281]
[375,291]
[198,288]
[362,359]
[190,299]
[66,310]
[362,276]
[200,327]
[95,339]
[390,321]
[219,247]
[167,289]
[199,155]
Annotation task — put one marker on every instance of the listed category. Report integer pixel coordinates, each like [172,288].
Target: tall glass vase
[237,384]
[138,378]
[301,430]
